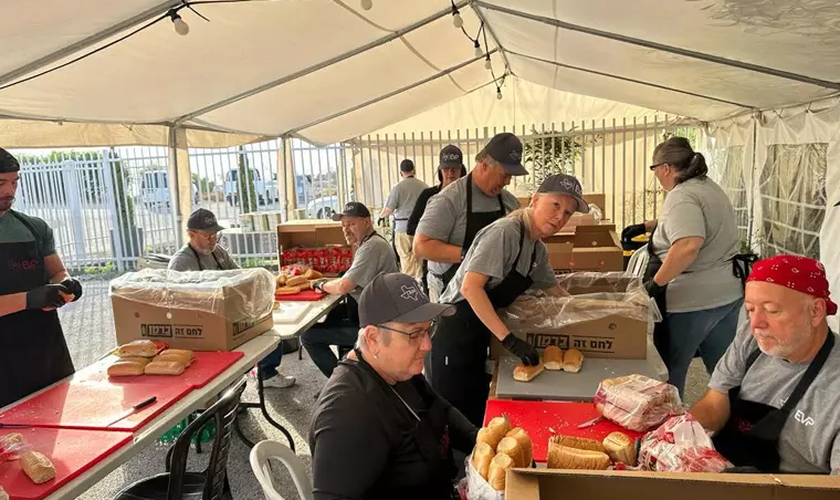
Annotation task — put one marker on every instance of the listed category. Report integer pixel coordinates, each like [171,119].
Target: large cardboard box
[588,248]
[607,317]
[309,234]
[544,484]
[216,316]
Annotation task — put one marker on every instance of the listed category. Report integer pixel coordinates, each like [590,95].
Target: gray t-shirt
[445,218]
[184,260]
[402,199]
[699,207]
[810,439]
[493,254]
[373,257]
[12,230]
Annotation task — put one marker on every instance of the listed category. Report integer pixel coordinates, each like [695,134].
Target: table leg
[243,406]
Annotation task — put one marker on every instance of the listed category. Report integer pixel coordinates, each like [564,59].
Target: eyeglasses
[653,167]
[415,336]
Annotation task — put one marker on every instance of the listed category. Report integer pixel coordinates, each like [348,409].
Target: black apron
[198,259]
[476,221]
[459,347]
[750,437]
[34,353]
[430,434]
[660,329]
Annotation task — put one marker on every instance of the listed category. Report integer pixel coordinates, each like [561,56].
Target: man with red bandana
[774,397]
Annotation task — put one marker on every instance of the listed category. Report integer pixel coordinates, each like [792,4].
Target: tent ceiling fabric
[329,71]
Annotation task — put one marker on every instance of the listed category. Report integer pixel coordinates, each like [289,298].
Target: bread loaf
[3,494]
[497,471]
[553,358]
[493,432]
[510,447]
[287,290]
[178,355]
[281,280]
[12,440]
[126,369]
[37,466]
[519,434]
[136,359]
[563,457]
[524,373]
[636,402]
[577,442]
[143,348]
[312,274]
[621,448]
[164,368]
[296,281]
[481,457]
[572,360]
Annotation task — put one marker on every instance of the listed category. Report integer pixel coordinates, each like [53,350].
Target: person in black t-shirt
[379,430]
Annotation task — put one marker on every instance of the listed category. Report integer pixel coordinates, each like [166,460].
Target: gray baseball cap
[203,220]
[397,297]
[506,149]
[565,184]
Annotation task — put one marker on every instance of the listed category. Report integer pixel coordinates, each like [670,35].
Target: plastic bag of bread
[680,445]
[637,402]
[12,446]
[475,486]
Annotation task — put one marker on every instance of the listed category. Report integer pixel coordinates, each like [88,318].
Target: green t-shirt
[12,230]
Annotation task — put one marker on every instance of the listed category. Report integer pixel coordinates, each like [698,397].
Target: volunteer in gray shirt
[372,257]
[773,398]
[401,203]
[455,215]
[691,267]
[506,259]
[202,252]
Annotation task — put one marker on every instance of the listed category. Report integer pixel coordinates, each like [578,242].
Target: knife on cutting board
[131,411]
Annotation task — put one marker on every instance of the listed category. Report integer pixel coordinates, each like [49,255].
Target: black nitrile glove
[522,349]
[318,284]
[631,232]
[74,286]
[46,296]
[653,289]
[380,222]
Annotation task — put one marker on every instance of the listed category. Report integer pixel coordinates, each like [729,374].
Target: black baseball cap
[451,157]
[397,297]
[352,209]
[506,149]
[406,166]
[565,184]
[203,220]
[8,163]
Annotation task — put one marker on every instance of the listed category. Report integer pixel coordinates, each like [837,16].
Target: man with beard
[33,284]
[372,256]
[773,397]
[202,252]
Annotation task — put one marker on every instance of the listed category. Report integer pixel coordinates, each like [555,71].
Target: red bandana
[797,273]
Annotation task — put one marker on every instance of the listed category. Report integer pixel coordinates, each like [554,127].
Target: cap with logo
[203,220]
[8,163]
[397,297]
[506,149]
[451,157]
[565,184]
[352,209]
[406,166]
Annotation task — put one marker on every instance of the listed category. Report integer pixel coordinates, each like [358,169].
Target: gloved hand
[653,289]
[380,222]
[46,296]
[631,232]
[319,283]
[522,349]
[74,286]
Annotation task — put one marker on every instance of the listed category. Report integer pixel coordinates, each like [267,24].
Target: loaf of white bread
[636,402]
[567,452]
[143,348]
[553,358]
[499,448]
[3,494]
[37,466]
[621,448]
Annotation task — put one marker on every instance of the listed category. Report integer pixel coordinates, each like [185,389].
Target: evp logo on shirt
[800,416]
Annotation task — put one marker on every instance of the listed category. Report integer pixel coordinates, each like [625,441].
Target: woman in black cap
[506,259]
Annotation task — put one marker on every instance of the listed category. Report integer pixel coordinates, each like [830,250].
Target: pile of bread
[567,452]
[499,448]
[554,359]
[637,402]
[144,357]
[35,464]
[288,284]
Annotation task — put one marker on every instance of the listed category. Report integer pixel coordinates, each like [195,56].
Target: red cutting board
[71,451]
[304,296]
[205,367]
[542,419]
[94,405]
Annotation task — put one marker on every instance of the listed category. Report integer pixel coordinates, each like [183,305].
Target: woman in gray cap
[506,259]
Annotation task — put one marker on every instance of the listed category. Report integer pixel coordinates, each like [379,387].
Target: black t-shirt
[361,441]
[419,208]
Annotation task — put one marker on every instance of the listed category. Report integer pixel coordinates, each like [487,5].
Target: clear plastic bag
[636,402]
[475,486]
[680,445]
[12,446]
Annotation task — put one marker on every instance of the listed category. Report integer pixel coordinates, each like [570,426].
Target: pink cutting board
[304,296]
[71,451]
[205,367]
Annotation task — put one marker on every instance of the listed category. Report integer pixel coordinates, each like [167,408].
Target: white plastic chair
[260,455]
[638,262]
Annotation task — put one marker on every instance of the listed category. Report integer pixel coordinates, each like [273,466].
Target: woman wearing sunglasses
[379,430]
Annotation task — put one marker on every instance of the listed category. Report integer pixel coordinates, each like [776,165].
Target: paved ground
[89,327]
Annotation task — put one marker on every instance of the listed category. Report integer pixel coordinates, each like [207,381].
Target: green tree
[551,153]
[246,188]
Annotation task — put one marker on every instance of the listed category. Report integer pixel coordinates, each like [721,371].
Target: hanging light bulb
[181,27]
[487,63]
[367,4]
[498,93]
[478,51]
[457,20]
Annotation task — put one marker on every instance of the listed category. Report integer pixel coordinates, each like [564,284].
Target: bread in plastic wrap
[475,487]
[235,295]
[680,445]
[637,402]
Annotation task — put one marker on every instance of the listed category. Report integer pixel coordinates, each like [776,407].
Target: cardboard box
[308,234]
[544,484]
[593,248]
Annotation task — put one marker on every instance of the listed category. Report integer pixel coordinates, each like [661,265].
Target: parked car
[154,190]
[322,208]
[267,191]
